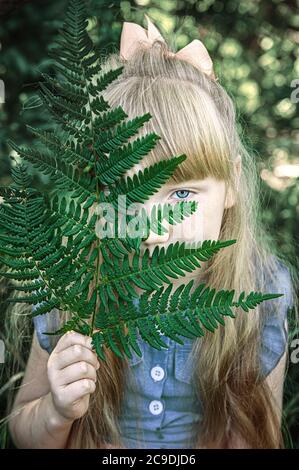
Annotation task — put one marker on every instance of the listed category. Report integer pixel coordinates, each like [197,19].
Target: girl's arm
[39,426]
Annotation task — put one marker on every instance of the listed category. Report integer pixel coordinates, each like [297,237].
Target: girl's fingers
[75,391]
[75,353]
[77,371]
[72,337]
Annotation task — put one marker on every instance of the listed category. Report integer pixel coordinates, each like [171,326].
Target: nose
[156,239]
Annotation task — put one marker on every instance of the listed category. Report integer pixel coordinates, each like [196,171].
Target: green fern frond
[123,159]
[253,299]
[205,311]
[172,214]
[151,275]
[73,154]
[66,177]
[144,184]
[50,245]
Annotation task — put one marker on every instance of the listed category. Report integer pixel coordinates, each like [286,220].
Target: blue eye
[183,191]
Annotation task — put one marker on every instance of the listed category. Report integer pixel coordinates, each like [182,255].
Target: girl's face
[203,224]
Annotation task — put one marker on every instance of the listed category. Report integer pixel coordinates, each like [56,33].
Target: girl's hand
[71,370]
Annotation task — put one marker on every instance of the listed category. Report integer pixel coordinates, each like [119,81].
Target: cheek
[191,229]
[213,214]
[204,224]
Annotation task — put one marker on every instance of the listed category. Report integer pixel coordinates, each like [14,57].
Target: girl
[223,390]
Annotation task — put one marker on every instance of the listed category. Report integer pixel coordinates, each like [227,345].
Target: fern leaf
[51,245]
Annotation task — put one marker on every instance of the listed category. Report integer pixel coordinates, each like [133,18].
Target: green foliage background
[254,46]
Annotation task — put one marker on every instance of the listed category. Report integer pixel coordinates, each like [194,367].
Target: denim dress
[160,409]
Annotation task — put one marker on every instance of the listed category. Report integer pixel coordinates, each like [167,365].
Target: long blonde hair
[196,116]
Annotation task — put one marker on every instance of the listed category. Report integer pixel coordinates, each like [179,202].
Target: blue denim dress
[160,409]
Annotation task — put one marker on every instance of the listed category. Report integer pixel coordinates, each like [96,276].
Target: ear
[230,198]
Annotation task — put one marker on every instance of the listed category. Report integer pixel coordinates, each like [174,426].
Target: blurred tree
[7,6]
[23,58]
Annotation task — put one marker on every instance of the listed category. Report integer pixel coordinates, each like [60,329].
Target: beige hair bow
[133,35]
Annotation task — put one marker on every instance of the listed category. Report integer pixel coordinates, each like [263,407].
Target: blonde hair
[195,115]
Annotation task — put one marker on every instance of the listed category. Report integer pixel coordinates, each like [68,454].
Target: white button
[155,407]
[157,373]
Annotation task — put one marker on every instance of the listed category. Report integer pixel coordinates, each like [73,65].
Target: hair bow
[133,35]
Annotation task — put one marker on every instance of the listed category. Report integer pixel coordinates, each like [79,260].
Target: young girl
[223,390]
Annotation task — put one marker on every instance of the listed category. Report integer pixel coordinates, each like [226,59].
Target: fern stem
[97,200]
